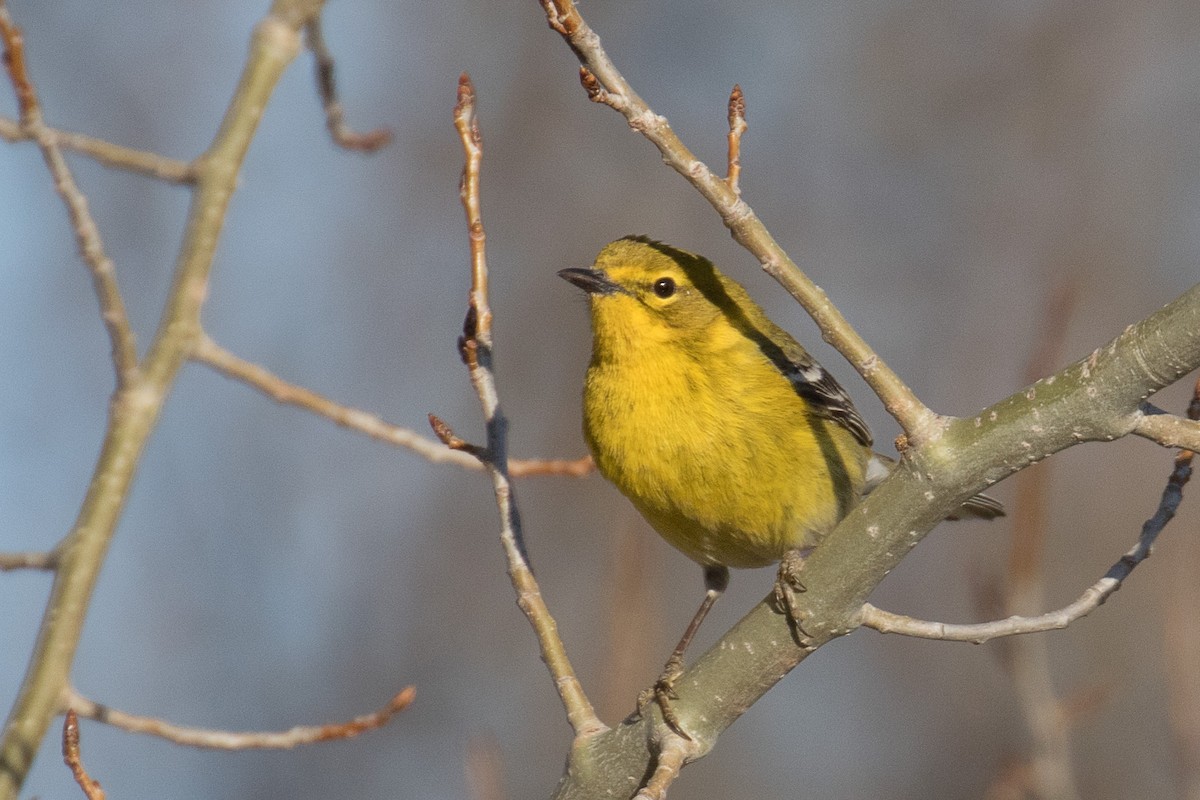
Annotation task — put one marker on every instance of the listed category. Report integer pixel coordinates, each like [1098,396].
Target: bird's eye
[664,287]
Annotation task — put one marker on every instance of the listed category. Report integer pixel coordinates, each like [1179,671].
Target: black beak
[590,280]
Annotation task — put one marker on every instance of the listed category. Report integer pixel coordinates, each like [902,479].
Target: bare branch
[14,64]
[737,127]
[46,560]
[335,119]
[598,94]
[1167,429]
[605,84]
[107,153]
[70,750]
[475,347]
[249,740]
[568,467]
[449,438]
[211,354]
[674,753]
[978,633]
[1092,598]
[87,235]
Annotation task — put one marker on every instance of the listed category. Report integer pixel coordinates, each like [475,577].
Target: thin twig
[978,633]
[70,750]
[737,127]
[598,94]
[452,441]
[14,64]
[106,153]
[335,118]
[674,753]
[211,354]
[476,349]
[248,740]
[567,467]
[1091,599]
[1167,429]
[605,84]
[46,560]
[87,235]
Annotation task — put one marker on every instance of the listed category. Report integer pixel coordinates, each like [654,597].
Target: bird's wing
[826,398]
[825,395]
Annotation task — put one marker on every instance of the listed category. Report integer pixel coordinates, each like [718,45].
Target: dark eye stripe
[664,287]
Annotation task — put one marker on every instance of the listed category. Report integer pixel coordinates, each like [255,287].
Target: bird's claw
[788,588]
[663,694]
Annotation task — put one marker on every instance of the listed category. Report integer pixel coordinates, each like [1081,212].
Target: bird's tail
[981,506]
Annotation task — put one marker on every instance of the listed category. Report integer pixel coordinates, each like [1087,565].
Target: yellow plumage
[689,412]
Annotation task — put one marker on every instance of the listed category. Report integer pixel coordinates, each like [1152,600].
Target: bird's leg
[787,586]
[716,579]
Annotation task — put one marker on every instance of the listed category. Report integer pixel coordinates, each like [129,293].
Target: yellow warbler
[727,436]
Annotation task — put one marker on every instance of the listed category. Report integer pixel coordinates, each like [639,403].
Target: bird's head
[643,291]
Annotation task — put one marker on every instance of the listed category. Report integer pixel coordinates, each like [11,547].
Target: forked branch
[1091,599]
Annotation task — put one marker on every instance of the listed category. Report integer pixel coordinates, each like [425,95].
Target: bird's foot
[662,693]
[788,588]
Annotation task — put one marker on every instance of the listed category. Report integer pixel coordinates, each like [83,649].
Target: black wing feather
[826,396]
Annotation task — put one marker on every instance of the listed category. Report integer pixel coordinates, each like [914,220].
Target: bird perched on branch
[728,437]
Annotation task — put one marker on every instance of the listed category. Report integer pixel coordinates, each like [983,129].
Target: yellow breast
[715,448]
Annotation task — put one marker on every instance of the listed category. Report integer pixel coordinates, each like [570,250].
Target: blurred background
[938,169]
